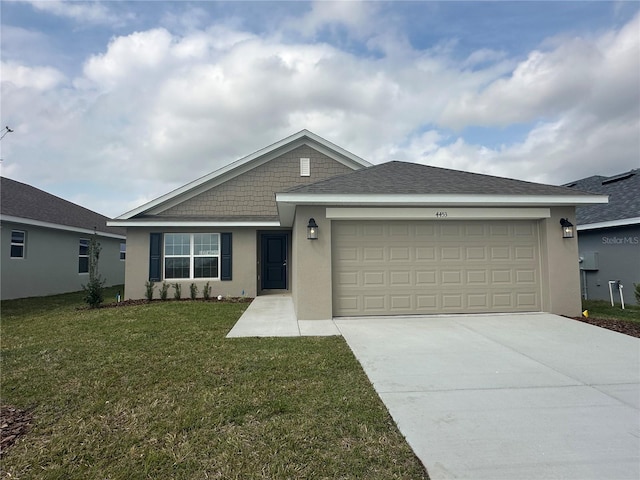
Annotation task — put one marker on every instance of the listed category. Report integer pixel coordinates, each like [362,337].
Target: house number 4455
[441,214]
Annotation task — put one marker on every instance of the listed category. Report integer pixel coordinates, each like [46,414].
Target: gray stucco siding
[253,193]
[618,258]
[50,264]
[243,258]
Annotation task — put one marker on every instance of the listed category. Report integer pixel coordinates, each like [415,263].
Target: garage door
[414,267]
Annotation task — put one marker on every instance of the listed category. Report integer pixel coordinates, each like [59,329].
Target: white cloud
[356,17]
[157,109]
[555,152]
[39,78]
[81,11]
[578,74]
[135,56]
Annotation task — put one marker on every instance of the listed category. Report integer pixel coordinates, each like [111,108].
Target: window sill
[191,280]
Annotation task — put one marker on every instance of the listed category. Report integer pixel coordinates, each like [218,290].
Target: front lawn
[603,309]
[155,391]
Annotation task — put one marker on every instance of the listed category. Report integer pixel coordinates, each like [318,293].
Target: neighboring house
[392,239]
[45,240]
[609,236]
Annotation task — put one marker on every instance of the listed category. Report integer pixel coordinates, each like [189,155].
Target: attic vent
[305,167]
[624,176]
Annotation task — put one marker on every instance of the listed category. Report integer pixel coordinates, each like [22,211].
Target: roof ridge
[633,171]
[458,172]
[395,177]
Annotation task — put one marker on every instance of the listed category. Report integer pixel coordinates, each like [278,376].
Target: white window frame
[83,256]
[192,256]
[18,244]
[123,251]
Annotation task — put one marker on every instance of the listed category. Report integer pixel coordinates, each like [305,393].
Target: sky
[113,104]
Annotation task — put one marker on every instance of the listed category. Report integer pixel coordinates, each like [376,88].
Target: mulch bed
[133,303]
[621,326]
[13,424]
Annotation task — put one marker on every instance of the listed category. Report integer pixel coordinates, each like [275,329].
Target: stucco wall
[50,265]
[312,295]
[252,193]
[244,270]
[560,275]
[618,253]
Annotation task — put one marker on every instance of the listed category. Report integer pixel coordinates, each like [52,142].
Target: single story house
[45,241]
[347,238]
[609,236]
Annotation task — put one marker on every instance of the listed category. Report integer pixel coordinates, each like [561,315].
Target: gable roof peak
[244,164]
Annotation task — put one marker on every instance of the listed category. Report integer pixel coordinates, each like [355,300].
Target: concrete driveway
[507,396]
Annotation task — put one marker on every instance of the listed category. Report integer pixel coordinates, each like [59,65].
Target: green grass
[603,309]
[155,391]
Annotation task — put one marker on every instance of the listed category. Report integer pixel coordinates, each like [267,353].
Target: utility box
[589,261]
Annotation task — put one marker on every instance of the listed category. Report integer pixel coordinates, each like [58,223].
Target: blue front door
[274,260]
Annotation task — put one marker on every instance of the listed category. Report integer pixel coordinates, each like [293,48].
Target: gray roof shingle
[413,178]
[24,201]
[624,197]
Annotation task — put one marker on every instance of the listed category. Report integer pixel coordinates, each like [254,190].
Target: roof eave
[287,202]
[622,222]
[58,226]
[192,223]
[438,199]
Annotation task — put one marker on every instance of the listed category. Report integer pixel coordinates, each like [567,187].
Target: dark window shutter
[225,256]
[155,257]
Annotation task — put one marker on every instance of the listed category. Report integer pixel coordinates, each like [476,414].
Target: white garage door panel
[403,267]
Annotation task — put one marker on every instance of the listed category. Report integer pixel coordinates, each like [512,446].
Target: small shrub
[206,291]
[164,290]
[93,292]
[178,291]
[149,288]
[193,290]
[636,292]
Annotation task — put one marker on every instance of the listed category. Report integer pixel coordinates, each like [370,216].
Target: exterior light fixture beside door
[567,228]
[312,230]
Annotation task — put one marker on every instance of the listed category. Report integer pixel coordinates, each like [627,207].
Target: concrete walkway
[274,316]
[526,396]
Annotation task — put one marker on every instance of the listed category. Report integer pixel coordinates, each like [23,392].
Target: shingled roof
[399,178]
[624,197]
[26,202]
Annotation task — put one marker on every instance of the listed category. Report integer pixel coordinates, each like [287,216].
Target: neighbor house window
[83,256]
[17,243]
[191,255]
[123,251]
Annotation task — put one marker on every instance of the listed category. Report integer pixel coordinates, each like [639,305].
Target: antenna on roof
[6,130]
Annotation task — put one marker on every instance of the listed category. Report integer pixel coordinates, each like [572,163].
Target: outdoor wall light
[567,228]
[312,230]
